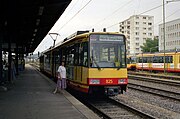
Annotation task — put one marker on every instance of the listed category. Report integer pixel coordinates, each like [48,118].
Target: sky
[83,15]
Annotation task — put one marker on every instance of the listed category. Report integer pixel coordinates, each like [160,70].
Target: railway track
[109,108]
[155,91]
[154,80]
[144,86]
[169,77]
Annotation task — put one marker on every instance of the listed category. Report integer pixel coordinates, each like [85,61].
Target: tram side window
[132,59]
[161,59]
[47,59]
[64,56]
[128,60]
[144,59]
[57,59]
[84,54]
[41,59]
[123,56]
[155,59]
[137,59]
[80,52]
[76,54]
[148,59]
[169,59]
[70,56]
[140,59]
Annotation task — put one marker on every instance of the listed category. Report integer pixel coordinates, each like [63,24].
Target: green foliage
[150,46]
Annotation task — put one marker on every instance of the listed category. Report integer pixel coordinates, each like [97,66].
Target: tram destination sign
[108,37]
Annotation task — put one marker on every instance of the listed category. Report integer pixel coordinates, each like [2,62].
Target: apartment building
[137,29]
[172,36]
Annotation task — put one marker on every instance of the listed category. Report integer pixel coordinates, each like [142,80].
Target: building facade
[172,36]
[137,29]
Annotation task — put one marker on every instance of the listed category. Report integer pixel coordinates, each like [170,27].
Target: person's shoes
[54,92]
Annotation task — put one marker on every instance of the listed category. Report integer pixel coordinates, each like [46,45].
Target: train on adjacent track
[155,62]
[95,62]
[131,62]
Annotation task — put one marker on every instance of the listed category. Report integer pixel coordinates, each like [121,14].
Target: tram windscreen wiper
[118,67]
[96,63]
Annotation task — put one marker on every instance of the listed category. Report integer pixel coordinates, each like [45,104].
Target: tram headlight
[121,81]
[94,81]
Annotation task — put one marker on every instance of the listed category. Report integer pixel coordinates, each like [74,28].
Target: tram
[131,63]
[95,62]
[155,62]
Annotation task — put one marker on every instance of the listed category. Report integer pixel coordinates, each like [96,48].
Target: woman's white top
[62,71]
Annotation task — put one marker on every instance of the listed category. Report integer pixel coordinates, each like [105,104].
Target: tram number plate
[109,81]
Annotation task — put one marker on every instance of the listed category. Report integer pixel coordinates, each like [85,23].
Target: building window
[144,28]
[150,29]
[150,18]
[150,34]
[137,23]
[149,23]
[144,22]
[137,28]
[137,38]
[137,44]
[137,17]
[144,33]
[161,29]
[137,49]
[144,17]
[137,33]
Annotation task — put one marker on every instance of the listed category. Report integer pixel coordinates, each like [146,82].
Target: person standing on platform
[13,71]
[61,82]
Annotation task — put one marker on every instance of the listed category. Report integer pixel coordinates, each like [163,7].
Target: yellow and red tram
[95,62]
[131,62]
[155,62]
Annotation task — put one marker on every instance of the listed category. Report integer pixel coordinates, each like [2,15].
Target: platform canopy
[25,23]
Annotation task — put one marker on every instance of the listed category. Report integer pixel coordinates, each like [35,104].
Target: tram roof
[156,54]
[83,34]
[26,23]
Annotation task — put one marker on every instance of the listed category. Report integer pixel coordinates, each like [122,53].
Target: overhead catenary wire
[167,16]
[140,14]
[72,7]
[112,13]
[68,12]
[74,15]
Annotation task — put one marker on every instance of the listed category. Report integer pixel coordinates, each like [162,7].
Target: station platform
[31,97]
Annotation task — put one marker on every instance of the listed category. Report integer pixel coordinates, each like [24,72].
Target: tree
[150,45]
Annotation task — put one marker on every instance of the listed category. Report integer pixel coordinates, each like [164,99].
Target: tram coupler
[111,90]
